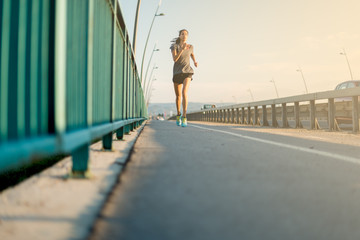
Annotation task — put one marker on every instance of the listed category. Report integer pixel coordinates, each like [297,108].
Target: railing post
[331,114]
[107,141]
[256,116]
[233,110]
[248,115]
[236,116]
[285,123]
[243,115]
[120,133]
[297,115]
[355,113]
[264,116]
[80,159]
[230,115]
[312,114]
[274,122]
[127,129]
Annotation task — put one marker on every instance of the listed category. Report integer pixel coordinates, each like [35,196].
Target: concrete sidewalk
[49,206]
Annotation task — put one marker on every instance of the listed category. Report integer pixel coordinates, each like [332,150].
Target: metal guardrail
[295,107]
[68,77]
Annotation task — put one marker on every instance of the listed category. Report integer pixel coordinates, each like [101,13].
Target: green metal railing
[68,76]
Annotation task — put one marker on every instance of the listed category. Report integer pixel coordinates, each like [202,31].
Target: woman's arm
[177,55]
[193,58]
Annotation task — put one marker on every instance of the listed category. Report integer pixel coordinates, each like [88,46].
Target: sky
[240,46]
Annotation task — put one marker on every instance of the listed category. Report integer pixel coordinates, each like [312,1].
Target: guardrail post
[297,115]
[234,115]
[127,129]
[80,160]
[107,141]
[355,113]
[312,114]
[256,116]
[285,122]
[264,116]
[248,115]
[274,122]
[243,115]
[230,115]
[237,115]
[120,133]
[331,114]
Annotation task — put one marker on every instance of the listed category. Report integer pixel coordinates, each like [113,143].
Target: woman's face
[183,35]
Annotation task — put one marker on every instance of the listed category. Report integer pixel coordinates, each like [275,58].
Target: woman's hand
[196,64]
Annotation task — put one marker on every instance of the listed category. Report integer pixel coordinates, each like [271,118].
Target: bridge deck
[225,182]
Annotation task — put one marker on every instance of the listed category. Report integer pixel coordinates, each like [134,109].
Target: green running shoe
[178,120]
[184,122]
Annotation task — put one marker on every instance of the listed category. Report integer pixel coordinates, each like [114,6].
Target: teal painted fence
[68,76]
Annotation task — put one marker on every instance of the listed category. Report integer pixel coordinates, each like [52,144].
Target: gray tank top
[182,65]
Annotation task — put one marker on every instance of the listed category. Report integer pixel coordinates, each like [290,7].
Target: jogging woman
[182,73]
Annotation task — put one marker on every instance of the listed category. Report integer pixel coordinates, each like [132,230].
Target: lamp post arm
[304,82]
[147,39]
[148,87]
[347,60]
[147,69]
[135,26]
[277,93]
[149,77]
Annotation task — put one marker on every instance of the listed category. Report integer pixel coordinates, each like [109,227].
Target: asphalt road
[222,182]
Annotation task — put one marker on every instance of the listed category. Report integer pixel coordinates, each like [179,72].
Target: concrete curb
[49,206]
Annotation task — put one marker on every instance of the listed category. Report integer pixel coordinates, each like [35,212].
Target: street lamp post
[347,60]
[135,25]
[302,75]
[148,99]
[273,81]
[147,39]
[152,53]
[149,89]
[252,97]
[150,76]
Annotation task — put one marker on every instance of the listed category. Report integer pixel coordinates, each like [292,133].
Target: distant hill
[169,109]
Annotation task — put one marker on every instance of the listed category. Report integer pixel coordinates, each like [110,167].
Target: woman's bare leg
[177,88]
[184,94]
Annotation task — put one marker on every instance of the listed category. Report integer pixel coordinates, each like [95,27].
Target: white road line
[283,145]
